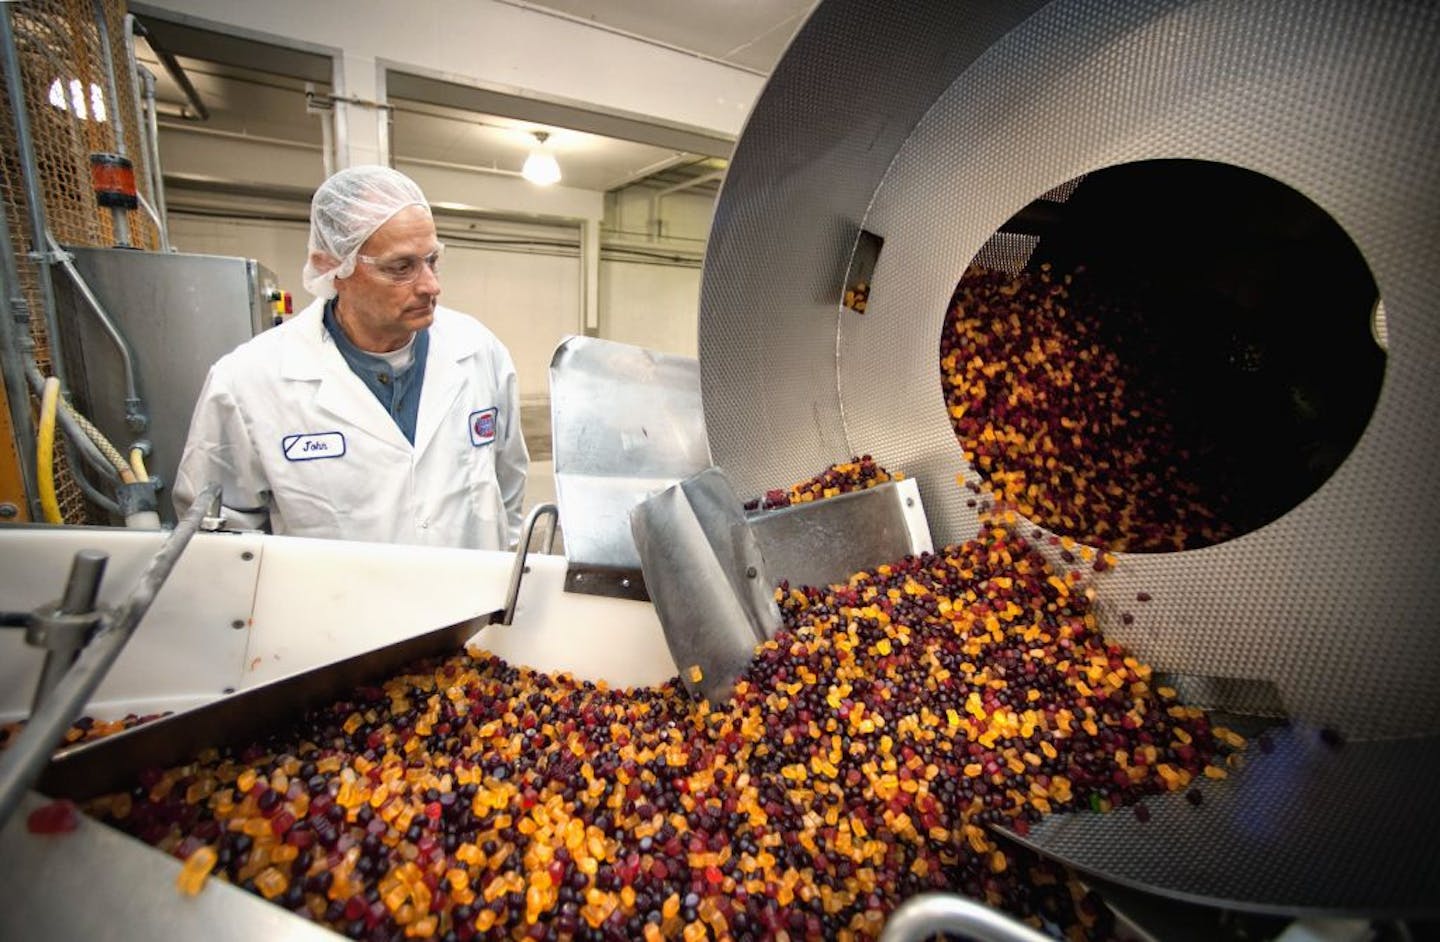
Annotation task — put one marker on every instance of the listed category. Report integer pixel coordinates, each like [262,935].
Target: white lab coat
[292,434]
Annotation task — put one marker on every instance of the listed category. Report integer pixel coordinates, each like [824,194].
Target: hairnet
[346,210]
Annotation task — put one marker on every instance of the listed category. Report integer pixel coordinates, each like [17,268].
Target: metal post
[15,344]
[33,197]
[119,217]
[148,127]
[22,763]
[157,178]
[63,637]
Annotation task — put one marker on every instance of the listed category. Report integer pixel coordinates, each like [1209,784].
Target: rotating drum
[930,124]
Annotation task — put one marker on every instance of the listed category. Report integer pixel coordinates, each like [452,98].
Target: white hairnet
[346,210]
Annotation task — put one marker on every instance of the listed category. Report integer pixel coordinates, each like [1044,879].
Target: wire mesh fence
[72,113]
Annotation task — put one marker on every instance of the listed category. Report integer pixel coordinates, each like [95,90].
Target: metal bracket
[57,256]
[214,519]
[62,628]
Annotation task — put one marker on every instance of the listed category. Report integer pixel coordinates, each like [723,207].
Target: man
[373,414]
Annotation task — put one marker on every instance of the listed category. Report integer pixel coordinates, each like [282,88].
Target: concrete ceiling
[484,131]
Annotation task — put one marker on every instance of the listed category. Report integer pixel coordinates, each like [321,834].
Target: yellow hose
[137,464]
[45,452]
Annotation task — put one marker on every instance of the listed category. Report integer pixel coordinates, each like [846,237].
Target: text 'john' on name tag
[314,445]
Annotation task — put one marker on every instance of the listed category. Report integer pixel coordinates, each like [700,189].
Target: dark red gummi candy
[57,817]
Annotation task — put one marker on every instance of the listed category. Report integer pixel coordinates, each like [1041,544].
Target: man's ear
[323,262]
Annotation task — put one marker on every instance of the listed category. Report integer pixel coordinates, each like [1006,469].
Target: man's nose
[429,281]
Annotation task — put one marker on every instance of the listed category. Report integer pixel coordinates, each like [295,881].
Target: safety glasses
[404,269]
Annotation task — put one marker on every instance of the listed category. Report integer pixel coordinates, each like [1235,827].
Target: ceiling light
[540,167]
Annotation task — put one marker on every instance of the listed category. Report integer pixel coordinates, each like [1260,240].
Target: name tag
[312,446]
[482,426]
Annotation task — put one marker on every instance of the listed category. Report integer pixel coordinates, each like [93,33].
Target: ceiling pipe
[197,110]
[645,173]
[653,227]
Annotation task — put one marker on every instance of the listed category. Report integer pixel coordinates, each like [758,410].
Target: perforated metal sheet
[931,124]
[1307,828]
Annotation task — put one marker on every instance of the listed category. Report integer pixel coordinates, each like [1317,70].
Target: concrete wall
[529,294]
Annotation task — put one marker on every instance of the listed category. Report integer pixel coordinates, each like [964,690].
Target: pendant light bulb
[541,168]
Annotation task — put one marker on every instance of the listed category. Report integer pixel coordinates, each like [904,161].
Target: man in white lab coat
[373,414]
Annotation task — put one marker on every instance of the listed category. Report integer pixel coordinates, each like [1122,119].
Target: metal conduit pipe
[655,198]
[33,197]
[173,69]
[24,760]
[144,105]
[157,180]
[120,218]
[149,210]
[135,418]
[15,352]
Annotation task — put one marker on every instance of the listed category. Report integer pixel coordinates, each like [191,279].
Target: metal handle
[23,761]
[527,530]
[927,915]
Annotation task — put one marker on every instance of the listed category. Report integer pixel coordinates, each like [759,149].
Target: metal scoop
[711,570]
[707,578]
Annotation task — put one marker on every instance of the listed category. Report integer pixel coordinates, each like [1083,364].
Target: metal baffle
[522,549]
[28,755]
[627,423]
[825,541]
[930,914]
[706,575]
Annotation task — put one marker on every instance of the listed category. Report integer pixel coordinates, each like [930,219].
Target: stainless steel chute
[929,124]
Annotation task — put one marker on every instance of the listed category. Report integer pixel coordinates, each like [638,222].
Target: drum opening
[1162,355]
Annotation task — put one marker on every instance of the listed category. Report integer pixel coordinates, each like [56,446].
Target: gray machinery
[891,145]
[177,314]
[930,126]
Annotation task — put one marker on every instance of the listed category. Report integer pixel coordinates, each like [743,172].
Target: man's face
[376,313]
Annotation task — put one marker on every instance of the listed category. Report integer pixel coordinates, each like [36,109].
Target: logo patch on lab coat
[314,445]
[482,426]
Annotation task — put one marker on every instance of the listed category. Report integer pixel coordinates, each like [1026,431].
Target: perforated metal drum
[930,124]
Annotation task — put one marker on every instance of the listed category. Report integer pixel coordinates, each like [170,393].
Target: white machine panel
[184,652]
[591,636]
[322,600]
